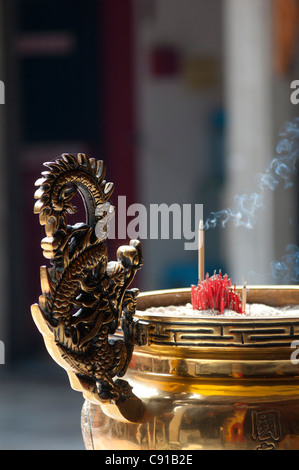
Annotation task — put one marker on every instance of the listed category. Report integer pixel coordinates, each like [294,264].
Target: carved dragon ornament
[84,297]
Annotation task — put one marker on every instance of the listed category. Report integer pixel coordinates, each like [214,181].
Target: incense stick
[201,251]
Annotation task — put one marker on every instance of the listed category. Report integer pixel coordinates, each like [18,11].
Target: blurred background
[185,102]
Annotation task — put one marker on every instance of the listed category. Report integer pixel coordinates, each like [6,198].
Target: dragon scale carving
[84,297]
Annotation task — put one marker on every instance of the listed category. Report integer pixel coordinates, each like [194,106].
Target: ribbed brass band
[217,365]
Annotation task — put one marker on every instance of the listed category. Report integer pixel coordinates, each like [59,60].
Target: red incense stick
[216,293]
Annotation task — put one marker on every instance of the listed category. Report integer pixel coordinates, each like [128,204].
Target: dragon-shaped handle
[84,297]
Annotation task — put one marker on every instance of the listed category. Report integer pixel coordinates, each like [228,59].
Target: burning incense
[216,293]
[201,251]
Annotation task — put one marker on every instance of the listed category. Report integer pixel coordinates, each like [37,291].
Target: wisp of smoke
[286,271]
[277,175]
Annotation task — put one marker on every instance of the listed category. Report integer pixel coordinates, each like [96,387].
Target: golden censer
[156,380]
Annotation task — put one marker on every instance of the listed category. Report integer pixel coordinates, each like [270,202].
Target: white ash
[251,310]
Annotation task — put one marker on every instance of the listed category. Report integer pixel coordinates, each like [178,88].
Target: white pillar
[247,61]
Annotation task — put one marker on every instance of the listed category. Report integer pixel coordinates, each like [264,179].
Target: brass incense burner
[191,382]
